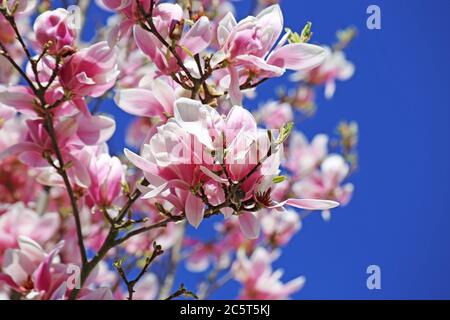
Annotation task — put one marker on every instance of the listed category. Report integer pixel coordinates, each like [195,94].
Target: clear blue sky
[399,217]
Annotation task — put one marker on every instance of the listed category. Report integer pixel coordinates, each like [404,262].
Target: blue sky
[399,217]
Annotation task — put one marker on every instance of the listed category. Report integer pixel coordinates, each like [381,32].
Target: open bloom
[335,67]
[33,272]
[279,228]
[275,115]
[55,28]
[247,47]
[197,147]
[258,279]
[21,221]
[106,177]
[326,183]
[166,17]
[154,98]
[72,133]
[303,156]
[90,71]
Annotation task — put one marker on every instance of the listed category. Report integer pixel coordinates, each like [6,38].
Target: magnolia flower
[192,42]
[89,72]
[55,28]
[258,279]
[72,134]
[185,152]
[335,67]
[326,182]
[304,157]
[19,220]
[154,98]
[279,228]
[31,271]
[106,177]
[203,254]
[247,47]
[275,115]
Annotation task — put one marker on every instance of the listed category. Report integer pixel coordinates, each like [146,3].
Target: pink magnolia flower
[73,133]
[326,182]
[279,228]
[184,152]
[89,72]
[303,157]
[37,275]
[154,98]
[247,47]
[30,270]
[192,42]
[106,178]
[19,220]
[275,115]
[202,254]
[335,67]
[258,279]
[57,28]
[23,100]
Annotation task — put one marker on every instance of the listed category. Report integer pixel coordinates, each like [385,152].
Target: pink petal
[95,130]
[235,91]
[138,102]
[140,162]
[19,98]
[198,37]
[213,176]
[312,204]
[147,42]
[297,56]
[249,224]
[194,210]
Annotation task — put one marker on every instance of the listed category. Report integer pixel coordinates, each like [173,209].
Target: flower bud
[55,30]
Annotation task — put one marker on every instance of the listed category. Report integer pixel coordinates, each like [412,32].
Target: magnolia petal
[225,27]
[95,130]
[17,97]
[213,176]
[138,102]
[297,56]
[180,184]
[147,42]
[194,210]
[249,224]
[227,212]
[198,37]
[156,191]
[193,116]
[98,294]
[9,281]
[235,91]
[140,162]
[311,204]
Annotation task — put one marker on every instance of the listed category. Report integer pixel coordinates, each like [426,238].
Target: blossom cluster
[77,220]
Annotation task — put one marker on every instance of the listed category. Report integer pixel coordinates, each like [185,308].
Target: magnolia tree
[77,222]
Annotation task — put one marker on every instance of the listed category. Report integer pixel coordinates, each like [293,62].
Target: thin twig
[182,291]
[157,251]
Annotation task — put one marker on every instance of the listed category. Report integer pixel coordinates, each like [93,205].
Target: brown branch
[157,251]
[61,168]
[182,291]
